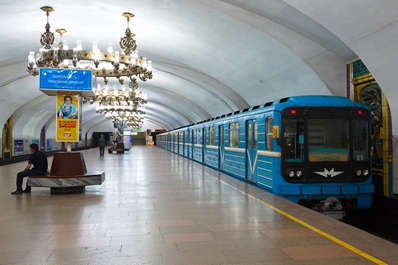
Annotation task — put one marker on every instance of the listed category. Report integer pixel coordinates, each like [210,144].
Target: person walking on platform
[102,144]
[39,162]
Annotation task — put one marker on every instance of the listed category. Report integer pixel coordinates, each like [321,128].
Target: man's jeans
[27,173]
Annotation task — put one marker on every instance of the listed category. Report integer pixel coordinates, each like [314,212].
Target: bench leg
[68,190]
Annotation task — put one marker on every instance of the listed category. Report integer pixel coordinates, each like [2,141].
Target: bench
[68,175]
[67,184]
[119,149]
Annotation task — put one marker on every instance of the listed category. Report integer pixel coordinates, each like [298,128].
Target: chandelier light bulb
[95,46]
[110,47]
[116,60]
[31,57]
[79,45]
[65,45]
[55,55]
[144,63]
[149,68]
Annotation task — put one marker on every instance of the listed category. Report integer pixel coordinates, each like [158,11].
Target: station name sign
[66,79]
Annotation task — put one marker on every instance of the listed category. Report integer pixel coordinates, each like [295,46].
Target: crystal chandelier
[104,64]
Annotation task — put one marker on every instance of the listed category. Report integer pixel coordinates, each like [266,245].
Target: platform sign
[66,79]
[68,117]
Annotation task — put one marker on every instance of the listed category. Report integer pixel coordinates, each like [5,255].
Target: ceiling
[210,57]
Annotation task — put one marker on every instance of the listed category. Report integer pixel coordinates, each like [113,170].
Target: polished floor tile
[156,207]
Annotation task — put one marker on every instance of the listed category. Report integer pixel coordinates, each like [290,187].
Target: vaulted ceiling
[210,57]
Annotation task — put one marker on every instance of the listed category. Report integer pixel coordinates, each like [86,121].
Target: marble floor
[156,207]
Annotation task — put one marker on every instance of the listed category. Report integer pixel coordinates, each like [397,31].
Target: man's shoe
[16,192]
[27,190]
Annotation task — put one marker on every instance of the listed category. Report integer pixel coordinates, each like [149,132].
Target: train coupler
[331,207]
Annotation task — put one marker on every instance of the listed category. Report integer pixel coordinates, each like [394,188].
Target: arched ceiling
[210,57]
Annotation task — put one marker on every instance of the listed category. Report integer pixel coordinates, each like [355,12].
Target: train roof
[279,105]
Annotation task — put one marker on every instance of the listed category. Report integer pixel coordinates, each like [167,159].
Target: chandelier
[130,119]
[121,109]
[131,96]
[104,64]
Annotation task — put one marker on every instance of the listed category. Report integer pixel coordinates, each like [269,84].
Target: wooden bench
[68,175]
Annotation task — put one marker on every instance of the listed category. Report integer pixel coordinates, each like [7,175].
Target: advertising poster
[35,141]
[67,127]
[43,139]
[7,139]
[18,147]
[49,144]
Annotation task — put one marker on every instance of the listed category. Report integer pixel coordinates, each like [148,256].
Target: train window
[328,140]
[186,136]
[181,137]
[193,136]
[269,124]
[199,136]
[361,140]
[234,134]
[212,135]
[249,134]
[293,137]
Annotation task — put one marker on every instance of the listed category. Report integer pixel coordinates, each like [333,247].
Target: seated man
[40,165]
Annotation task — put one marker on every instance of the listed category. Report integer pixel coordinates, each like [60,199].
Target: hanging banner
[65,79]
[68,109]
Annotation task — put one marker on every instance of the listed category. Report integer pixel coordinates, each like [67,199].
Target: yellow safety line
[316,230]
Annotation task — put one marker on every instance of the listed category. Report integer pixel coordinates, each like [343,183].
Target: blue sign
[49,144]
[66,79]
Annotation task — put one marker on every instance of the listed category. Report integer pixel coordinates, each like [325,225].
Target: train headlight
[358,172]
[366,172]
[299,173]
[291,174]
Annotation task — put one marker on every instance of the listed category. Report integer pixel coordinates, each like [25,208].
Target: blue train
[313,150]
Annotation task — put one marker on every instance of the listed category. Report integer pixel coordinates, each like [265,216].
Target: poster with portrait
[68,109]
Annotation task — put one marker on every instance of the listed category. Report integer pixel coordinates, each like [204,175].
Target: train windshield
[361,140]
[294,140]
[328,140]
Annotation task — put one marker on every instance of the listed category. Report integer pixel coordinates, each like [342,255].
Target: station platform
[156,207]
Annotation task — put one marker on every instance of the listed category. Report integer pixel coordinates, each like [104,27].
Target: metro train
[312,150]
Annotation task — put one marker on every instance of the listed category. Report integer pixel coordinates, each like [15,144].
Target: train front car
[325,161]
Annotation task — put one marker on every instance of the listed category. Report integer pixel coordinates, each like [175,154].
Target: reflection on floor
[159,208]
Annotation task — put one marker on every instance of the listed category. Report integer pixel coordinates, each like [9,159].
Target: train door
[221,149]
[193,141]
[204,138]
[251,150]
[183,143]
